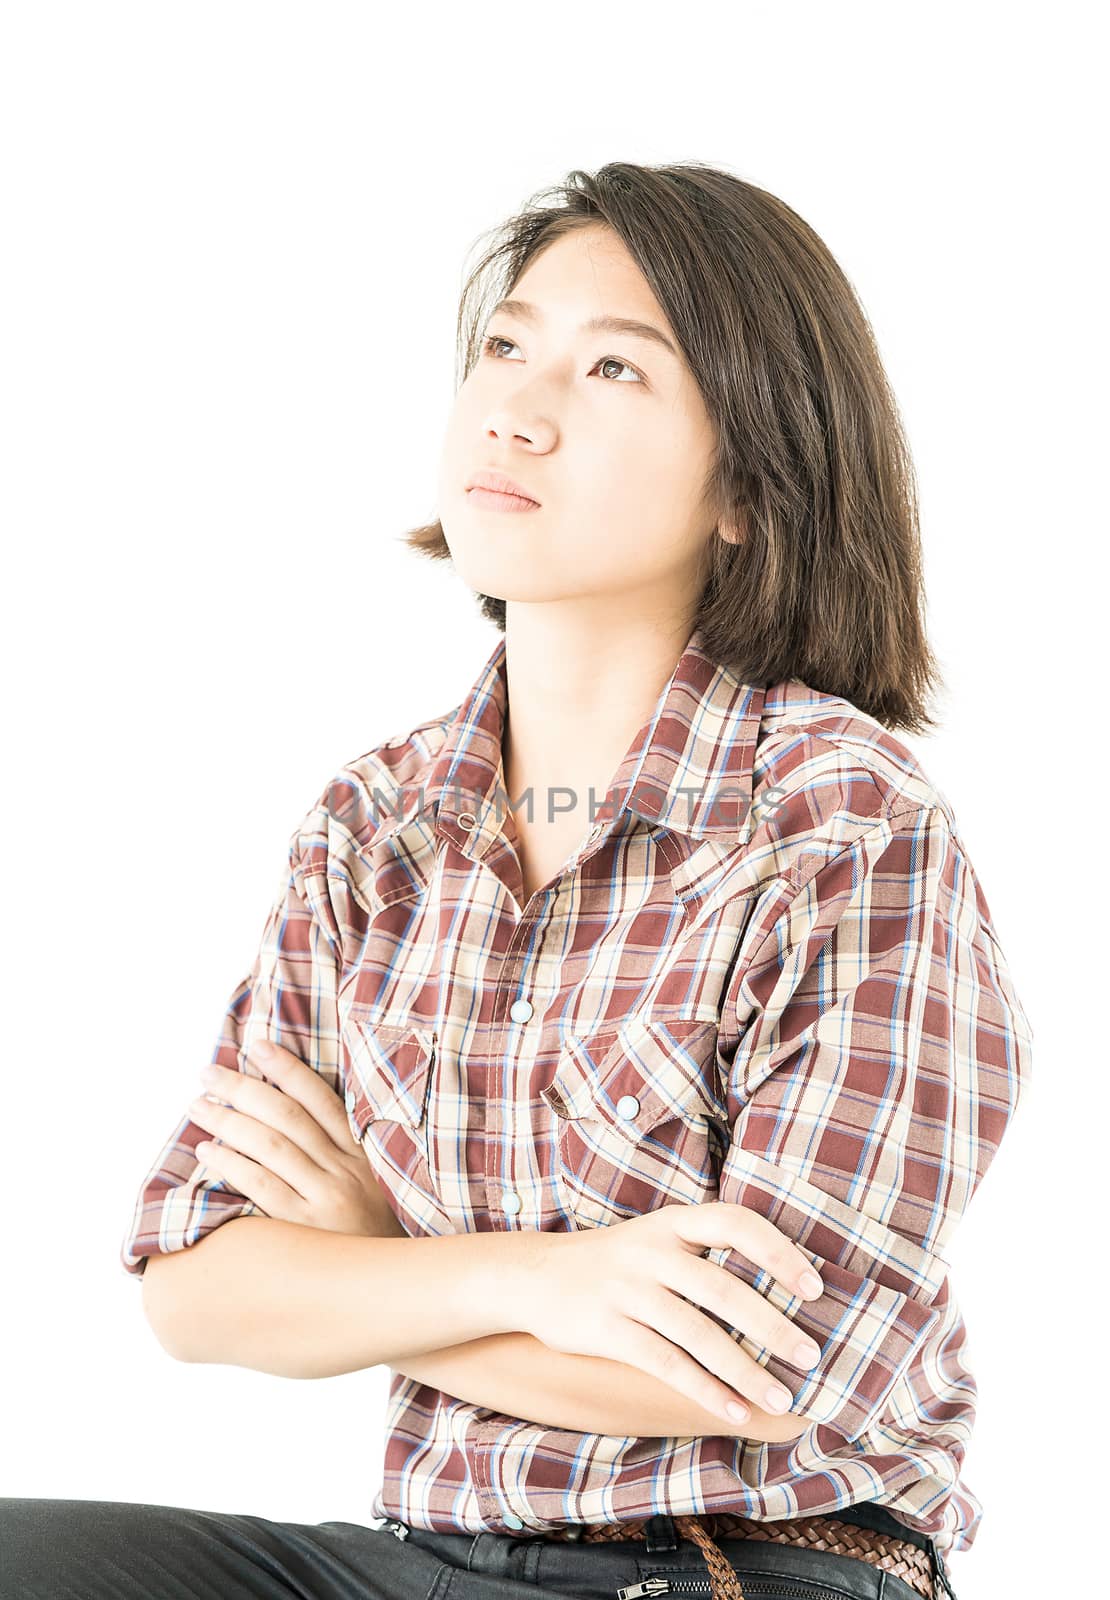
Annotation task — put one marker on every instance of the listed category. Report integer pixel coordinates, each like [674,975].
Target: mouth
[493,489]
[496,500]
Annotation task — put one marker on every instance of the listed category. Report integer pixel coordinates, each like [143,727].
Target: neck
[579,692]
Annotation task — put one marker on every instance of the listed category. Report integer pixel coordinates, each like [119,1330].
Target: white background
[234,240]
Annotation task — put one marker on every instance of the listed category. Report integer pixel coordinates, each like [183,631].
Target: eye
[489,343]
[489,348]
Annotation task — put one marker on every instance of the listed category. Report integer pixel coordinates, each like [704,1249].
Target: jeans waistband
[864,1514]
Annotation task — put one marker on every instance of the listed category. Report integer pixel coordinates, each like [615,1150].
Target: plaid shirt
[768,976]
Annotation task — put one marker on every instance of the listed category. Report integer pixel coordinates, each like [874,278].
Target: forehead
[596,289]
[589,272]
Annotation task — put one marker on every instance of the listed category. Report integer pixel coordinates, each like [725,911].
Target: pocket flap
[390,1072]
[636,1073]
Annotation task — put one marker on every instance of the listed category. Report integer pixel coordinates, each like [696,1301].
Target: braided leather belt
[899,1557]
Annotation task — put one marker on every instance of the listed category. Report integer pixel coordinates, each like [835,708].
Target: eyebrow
[627,326]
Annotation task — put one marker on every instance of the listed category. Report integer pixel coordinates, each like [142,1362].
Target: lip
[496,483]
[493,500]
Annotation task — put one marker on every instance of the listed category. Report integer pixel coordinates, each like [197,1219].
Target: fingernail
[806,1354]
[779,1399]
[738,1413]
[261,1050]
[811,1283]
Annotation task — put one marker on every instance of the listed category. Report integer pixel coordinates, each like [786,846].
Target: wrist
[507,1267]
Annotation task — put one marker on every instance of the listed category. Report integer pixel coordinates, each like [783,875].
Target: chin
[502,586]
[505,579]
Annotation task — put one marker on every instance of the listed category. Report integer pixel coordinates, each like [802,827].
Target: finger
[648,1351]
[740,1306]
[702,1361]
[252,1181]
[263,1143]
[268,1103]
[308,1088]
[729,1367]
[719,1224]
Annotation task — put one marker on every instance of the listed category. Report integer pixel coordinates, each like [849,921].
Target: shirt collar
[688,769]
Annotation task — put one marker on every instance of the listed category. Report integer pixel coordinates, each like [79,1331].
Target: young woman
[625,1044]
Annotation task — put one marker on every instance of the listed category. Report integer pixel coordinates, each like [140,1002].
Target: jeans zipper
[762,1583]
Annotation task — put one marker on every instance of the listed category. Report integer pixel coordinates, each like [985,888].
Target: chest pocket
[640,1118]
[386,1095]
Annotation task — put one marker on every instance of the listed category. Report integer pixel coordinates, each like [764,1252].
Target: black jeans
[112,1550]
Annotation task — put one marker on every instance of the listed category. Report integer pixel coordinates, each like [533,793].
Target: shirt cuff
[882,1294]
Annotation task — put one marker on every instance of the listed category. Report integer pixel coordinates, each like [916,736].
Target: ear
[733,530]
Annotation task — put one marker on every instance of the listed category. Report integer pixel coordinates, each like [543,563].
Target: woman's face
[605,428]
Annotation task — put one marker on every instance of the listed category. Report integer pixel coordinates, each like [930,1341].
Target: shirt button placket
[511,1203]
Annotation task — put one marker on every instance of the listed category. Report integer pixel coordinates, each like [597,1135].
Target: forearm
[304,1302]
[519,1376]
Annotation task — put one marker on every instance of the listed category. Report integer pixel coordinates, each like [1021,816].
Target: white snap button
[466,820]
[511,1202]
[512,1521]
[521,1011]
[627,1106]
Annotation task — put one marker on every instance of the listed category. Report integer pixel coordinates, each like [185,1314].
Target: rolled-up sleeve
[882,1053]
[289,996]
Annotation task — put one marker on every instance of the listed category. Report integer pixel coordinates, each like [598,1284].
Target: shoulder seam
[844,748]
[886,817]
[796,886]
[892,800]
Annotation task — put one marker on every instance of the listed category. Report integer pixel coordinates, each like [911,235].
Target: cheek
[655,461]
[640,507]
[456,460]
[673,470]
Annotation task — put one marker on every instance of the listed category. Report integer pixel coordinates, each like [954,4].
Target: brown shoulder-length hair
[826,585]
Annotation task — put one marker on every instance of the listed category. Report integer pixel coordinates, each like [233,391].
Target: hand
[286,1144]
[617,1291]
